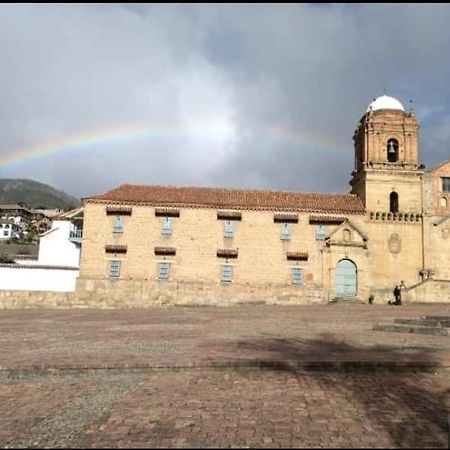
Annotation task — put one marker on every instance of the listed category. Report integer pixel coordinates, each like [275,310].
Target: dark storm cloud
[247,95]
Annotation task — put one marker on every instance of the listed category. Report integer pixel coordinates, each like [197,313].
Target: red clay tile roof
[177,196]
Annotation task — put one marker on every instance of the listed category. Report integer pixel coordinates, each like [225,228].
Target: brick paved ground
[216,385]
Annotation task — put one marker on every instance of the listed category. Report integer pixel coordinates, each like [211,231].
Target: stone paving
[222,377]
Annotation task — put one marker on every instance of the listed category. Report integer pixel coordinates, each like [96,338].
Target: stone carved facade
[279,247]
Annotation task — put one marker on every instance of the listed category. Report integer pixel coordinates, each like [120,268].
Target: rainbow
[87,140]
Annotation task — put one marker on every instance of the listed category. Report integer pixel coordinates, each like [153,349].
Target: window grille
[118,224]
[228,228]
[226,273]
[297,275]
[114,269]
[166,226]
[163,270]
[285,231]
[320,232]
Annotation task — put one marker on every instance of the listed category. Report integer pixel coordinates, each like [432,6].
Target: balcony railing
[76,235]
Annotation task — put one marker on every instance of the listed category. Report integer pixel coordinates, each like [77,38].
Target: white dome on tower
[385,102]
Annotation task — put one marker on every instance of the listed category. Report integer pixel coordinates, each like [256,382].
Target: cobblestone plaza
[222,377]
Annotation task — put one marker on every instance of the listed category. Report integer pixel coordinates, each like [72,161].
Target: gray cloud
[263,96]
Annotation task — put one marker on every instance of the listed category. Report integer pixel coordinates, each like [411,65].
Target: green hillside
[35,194]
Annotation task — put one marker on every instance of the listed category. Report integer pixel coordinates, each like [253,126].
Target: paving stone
[227,377]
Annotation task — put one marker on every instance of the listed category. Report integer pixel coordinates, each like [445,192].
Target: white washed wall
[22,278]
[55,247]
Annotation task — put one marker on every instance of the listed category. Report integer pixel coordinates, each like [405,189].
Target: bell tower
[387,175]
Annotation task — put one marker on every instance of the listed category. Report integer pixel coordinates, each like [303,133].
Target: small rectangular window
[446,184]
[226,273]
[166,225]
[320,232]
[228,228]
[285,231]
[297,275]
[114,269]
[118,224]
[163,270]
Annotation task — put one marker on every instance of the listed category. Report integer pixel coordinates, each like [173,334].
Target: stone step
[441,319]
[424,322]
[346,301]
[397,328]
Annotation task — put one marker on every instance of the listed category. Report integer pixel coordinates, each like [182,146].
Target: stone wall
[196,236]
[105,294]
[36,299]
[143,294]
[430,291]
[128,293]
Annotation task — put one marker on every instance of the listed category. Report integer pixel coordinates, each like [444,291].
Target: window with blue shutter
[297,275]
[167,225]
[320,232]
[118,224]
[228,228]
[163,270]
[226,273]
[285,231]
[114,269]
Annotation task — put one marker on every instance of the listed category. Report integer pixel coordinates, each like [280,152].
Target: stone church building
[147,244]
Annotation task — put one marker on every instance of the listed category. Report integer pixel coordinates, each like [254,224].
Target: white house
[57,248]
[57,267]
[9,229]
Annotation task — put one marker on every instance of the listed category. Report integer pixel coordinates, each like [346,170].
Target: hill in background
[35,194]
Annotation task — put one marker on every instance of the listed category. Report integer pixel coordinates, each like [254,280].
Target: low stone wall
[36,299]
[142,294]
[430,291]
[134,293]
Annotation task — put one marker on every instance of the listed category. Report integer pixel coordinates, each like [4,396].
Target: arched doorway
[345,278]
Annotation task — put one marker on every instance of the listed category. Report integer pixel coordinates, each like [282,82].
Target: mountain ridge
[35,194]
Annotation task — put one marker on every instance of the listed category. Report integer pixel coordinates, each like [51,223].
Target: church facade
[145,245]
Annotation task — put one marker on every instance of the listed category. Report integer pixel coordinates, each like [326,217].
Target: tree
[6,259]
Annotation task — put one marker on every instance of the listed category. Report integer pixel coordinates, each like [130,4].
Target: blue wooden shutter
[118,224]
[114,269]
[163,270]
[228,228]
[226,273]
[297,275]
[166,225]
[286,231]
[320,232]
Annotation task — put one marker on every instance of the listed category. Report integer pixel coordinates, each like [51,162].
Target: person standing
[397,295]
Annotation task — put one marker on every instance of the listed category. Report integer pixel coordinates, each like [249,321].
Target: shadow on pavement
[403,400]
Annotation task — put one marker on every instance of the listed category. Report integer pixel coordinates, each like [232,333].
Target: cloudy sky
[263,96]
